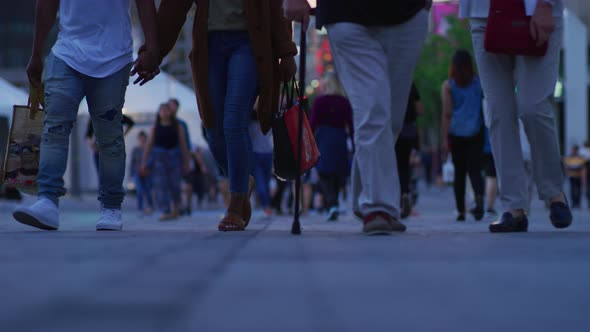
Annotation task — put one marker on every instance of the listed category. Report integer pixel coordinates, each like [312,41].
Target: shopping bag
[508,32]
[448,171]
[285,131]
[21,161]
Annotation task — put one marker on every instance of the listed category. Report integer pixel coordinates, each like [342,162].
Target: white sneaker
[43,214]
[110,220]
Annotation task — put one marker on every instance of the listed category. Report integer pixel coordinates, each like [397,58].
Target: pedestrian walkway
[184,275]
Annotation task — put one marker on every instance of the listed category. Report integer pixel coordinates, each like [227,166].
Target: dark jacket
[367,12]
[271,40]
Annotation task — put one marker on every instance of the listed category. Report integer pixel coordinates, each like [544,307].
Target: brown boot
[233,220]
[247,208]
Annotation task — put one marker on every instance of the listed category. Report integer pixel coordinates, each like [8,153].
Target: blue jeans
[233,89]
[143,188]
[64,90]
[167,177]
[262,175]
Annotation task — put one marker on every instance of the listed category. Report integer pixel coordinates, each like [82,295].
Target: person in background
[143,182]
[520,87]
[185,207]
[331,122]
[262,146]
[462,129]
[490,176]
[575,168]
[426,155]
[127,123]
[407,141]
[199,177]
[242,50]
[376,46]
[92,58]
[585,153]
[168,150]
[276,201]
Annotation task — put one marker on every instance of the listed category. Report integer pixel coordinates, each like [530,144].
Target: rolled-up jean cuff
[51,197]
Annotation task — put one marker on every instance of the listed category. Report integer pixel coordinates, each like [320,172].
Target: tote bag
[21,162]
[285,132]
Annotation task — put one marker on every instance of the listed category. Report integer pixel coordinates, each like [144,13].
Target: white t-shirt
[94,36]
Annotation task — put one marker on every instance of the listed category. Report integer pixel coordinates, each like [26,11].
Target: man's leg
[497,80]
[538,116]
[106,97]
[63,93]
[367,69]
[537,113]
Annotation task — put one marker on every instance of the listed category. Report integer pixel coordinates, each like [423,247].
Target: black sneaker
[509,224]
[461,217]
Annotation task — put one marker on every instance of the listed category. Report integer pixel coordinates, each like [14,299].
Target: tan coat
[270,35]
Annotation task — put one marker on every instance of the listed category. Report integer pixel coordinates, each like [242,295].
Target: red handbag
[285,131]
[508,30]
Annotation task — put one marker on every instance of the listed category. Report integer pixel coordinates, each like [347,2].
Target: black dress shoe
[509,224]
[560,215]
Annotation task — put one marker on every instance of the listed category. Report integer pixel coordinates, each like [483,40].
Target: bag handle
[36,99]
[288,93]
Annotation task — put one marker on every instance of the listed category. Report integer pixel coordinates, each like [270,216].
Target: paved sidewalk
[184,275]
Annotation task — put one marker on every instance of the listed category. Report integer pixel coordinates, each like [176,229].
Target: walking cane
[296,227]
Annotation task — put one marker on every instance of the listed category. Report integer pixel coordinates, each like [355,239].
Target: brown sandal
[233,220]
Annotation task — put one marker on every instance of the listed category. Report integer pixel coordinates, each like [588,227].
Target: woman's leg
[175,178]
[139,191]
[474,168]
[459,155]
[403,149]
[262,174]
[218,61]
[161,182]
[330,191]
[239,101]
[277,199]
[148,190]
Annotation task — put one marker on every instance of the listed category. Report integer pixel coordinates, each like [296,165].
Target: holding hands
[146,66]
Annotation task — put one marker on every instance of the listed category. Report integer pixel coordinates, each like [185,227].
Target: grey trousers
[375,66]
[534,78]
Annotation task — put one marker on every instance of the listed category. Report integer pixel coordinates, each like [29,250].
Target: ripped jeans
[64,90]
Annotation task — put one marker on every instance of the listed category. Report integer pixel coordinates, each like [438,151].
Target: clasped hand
[146,66]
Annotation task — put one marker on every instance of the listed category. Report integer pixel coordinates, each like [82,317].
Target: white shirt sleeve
[530,5]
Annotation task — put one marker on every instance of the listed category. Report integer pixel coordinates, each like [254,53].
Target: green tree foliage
[433,69]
